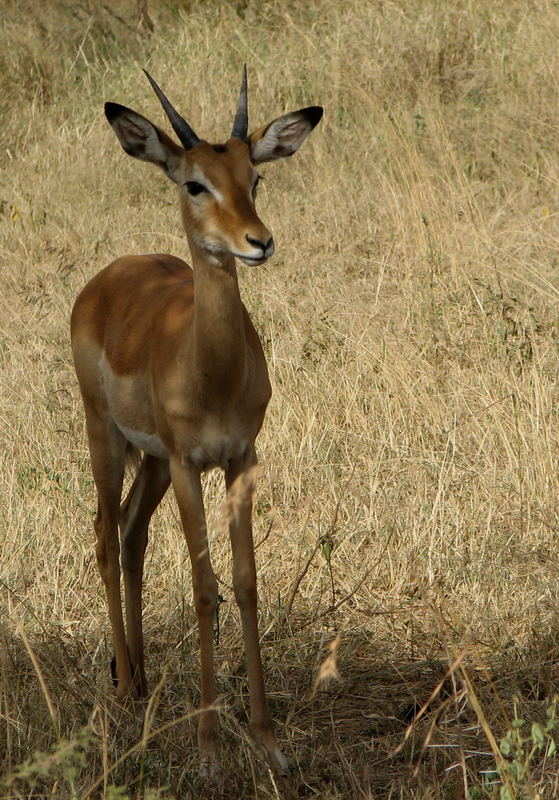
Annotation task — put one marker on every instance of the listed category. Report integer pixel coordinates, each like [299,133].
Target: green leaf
[538,734]
[505,747]
[516,770]
[505,793]
[518,723]
[551,747]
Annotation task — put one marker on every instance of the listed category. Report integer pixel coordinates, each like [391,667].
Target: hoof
[209,771]
[135,689]
[279,763]
[113,672]
[265,739]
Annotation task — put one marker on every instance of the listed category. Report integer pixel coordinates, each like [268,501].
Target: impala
[169,363]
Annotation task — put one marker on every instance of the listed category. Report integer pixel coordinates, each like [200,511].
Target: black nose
[257,243]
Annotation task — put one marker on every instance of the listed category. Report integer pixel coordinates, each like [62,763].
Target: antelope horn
[240,125]
[183,130]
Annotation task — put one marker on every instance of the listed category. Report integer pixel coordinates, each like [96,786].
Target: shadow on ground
[346,739]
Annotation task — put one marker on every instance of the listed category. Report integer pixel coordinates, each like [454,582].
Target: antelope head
[217,182]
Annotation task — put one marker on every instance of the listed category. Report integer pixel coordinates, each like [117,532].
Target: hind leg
[146,492]
[107,448]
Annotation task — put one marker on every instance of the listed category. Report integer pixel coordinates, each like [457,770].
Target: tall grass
[408,500]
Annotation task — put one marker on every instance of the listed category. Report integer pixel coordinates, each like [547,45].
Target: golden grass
[408,500]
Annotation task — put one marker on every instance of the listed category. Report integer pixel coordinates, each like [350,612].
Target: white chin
[252,262]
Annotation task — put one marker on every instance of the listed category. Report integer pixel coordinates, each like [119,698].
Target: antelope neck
[219,328]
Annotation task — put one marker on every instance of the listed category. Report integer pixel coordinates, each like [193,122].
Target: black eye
[194,188]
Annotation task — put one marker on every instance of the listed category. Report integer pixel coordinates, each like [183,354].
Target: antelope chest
[210,439]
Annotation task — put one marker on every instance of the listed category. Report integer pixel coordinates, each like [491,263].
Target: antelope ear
[284,136]
[142,139]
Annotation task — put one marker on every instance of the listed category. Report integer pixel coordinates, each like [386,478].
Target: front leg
[185,478]
[239,487]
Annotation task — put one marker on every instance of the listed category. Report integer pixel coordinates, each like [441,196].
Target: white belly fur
[149,443]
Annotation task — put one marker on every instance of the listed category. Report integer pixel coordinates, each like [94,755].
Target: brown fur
[168,360]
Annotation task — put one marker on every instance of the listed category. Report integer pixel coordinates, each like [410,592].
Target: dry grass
[409,496]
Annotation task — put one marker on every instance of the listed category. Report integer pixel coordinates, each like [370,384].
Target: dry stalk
[328,670]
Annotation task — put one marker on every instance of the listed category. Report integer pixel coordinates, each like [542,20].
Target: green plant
[61,765]
[525,748]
